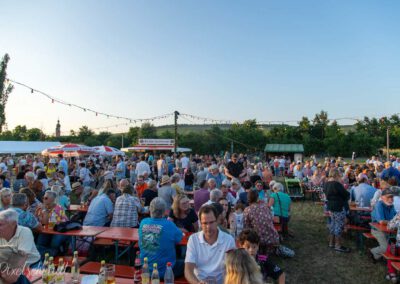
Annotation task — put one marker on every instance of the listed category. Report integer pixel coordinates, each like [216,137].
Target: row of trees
[319,136]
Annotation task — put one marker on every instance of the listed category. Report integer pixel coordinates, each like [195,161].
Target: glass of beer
[110,273]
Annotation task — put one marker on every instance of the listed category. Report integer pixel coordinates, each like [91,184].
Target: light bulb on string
[31,91]
[52,101]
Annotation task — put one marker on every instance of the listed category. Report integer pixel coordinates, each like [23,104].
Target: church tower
[58,129]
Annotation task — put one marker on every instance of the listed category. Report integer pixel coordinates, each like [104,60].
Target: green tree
[147,130]
[132,135]
[20,132]
[34,134]
[103,136]
[84,133]
[5,90]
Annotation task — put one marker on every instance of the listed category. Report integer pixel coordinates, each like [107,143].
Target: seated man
[19,203]
[19,238]
[100,210]
[205,253]
[158,237]
[383,212]
[75,195]
[363,193]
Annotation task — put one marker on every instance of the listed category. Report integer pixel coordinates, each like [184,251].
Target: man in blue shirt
[391,172]
[158,238]
[363,193]
[100,210]
[62,163]
[19,203]
[383,212]
[121,169]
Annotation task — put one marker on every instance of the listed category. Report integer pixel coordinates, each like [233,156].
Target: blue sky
[236,60]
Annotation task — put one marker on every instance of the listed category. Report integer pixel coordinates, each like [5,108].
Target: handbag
[67,226]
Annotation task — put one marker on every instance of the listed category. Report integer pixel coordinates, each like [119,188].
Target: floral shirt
[58,214]
[259,218]
[394,224]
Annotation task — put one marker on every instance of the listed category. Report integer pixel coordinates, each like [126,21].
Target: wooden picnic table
[361,209]
[382,228]
[68,279]
[117,234]
[79,208]
[86,231]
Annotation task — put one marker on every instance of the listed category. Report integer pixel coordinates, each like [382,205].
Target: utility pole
[122,141]
[176,113]
[387,143]
[231,147]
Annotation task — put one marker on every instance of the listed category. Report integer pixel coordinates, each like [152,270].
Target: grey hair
[52,194]
[235,181]
[5,191]
[9,215]
[157,207]
[278,187]
[19,199]
[227,182]
[215,195]
[211,179]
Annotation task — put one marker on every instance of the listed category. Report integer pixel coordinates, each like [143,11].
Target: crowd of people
[228,204]
[219,200]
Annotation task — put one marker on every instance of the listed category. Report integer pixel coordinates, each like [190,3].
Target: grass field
[314,262]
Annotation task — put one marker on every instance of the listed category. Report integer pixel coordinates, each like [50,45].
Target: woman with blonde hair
[241,268]
[5,198]
[182,215]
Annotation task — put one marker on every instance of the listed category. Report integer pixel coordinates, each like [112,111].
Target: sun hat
[75,185]
[165,179]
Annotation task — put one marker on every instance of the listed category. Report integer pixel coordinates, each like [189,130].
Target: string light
[56,100]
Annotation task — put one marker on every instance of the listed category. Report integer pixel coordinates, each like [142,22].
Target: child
[236,220]
[249,240]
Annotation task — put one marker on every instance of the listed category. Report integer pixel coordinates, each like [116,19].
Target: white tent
[25,147]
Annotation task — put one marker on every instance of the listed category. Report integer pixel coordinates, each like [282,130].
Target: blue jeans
[50,243]
[189,187]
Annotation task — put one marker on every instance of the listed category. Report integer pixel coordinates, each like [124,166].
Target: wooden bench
[369,236]
[389,256]
[396,265]
[107,242]
[356,228]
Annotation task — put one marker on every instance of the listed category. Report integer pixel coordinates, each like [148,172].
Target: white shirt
[185,162]
[3,167]
[209,259]
[23,241]
[142,167]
